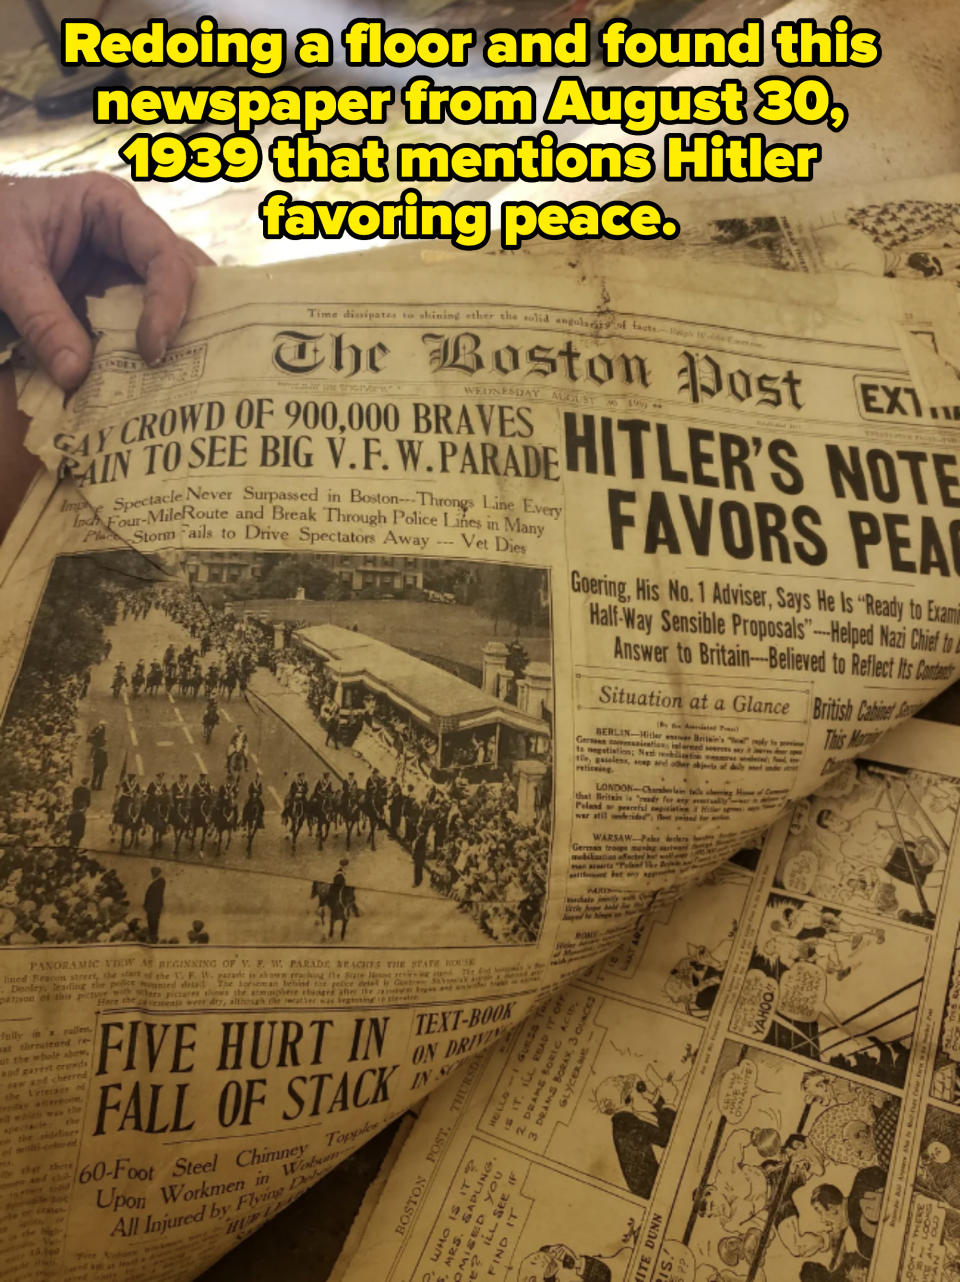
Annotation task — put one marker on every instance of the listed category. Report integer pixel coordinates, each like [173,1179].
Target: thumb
[36,307]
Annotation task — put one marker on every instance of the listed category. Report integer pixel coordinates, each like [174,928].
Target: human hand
[57,235]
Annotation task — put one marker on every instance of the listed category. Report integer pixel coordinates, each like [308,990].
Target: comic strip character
[559,1263]
[694,981]
[642,1112]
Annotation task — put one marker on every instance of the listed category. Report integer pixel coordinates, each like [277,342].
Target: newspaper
[909,230]
[377,660]
[760,1083]
[514,1154]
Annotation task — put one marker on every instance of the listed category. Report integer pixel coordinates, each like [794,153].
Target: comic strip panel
[593,1085]
[833,986]
[931,1246]
[945,1084]
[244,748]
[678,953]
[787,1173]
[507,1219]
[875,839]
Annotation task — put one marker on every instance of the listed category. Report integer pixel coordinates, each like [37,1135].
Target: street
[263,898]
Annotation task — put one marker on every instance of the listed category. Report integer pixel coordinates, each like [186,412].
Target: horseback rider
[296,793]
[127,784]
[224,810]
[341,900]
[339,883]
[238,745]
[252,817]
[127,808]
[202,788]
[322,792]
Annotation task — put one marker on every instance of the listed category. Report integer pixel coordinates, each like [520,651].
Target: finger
[121,225]
[169,277]
[33,301]
[169,284]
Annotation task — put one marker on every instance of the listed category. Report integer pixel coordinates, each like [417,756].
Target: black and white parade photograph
[228,748]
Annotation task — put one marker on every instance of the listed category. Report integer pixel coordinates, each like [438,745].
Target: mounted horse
[340,901]
[252,819]
[156,814]
[179,818]
[351,812]
[321,814]
[296,818]
[223,817]
[128,817]
[210,720]
[200,804]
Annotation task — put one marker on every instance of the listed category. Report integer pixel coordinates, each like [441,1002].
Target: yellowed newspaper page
[378,659]
[761,1083]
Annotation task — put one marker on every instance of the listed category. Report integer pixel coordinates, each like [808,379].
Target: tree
[67,633]
[285,572]
[513,593]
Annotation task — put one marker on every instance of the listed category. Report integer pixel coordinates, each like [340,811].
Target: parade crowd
[49,891]
[464,837]
[467,839]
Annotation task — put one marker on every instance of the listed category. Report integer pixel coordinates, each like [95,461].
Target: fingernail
[161,353]
[67,367]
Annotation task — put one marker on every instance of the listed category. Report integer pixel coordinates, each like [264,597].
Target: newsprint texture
[761,1082]
[397,649]
[908,230]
